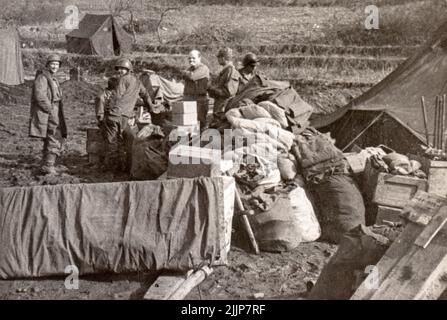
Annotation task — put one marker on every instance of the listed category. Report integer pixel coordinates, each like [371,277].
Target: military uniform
[196,85]
[227,84]
[118,126]
[47,119]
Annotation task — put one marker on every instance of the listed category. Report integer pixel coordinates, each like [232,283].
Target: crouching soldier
[47,116]
[116,115]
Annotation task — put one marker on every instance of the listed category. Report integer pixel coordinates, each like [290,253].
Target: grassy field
[400,23]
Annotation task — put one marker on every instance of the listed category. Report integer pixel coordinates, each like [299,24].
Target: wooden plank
[422,202]
[436,223]
[414,275]
[165,286]
[193,280]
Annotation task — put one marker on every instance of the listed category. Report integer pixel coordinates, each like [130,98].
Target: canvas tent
[11,67]
[390,113]
[99,35]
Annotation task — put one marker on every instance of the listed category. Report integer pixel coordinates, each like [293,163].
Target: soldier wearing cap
[248,71]
[47,116]
[118,120]
[227,82]
[196,84]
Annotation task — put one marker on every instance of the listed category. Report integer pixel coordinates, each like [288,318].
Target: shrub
[206,34]
[24,12]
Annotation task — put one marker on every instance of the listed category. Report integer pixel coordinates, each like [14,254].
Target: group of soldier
[115,104]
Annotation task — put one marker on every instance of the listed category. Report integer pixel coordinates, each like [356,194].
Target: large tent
[99,35]
[390,113]
[11,67]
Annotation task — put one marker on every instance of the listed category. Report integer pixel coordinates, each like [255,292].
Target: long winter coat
[42,100]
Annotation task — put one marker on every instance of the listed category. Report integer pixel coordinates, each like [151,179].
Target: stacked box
[184,113]
[190,162]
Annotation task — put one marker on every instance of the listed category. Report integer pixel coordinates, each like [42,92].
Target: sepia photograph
[223,154]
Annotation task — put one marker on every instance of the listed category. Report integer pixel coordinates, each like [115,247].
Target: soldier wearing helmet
[227,82]
[116,115]
[248,71]
[47,117]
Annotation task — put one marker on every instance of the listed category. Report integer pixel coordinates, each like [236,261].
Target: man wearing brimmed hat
[118,120]
[248,71]
[227,82]
[47,116]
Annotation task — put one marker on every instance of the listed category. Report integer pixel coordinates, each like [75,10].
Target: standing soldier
[118,123]
[248,71]
[196,85]
[227,82]
[47,116]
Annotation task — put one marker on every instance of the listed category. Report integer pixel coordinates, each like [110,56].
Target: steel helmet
[250,59]
[54,57]
[226,53]
[124,63]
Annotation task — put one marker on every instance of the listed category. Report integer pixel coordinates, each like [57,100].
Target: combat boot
[48,164]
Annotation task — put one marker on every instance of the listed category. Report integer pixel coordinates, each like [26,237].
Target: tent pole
[363,131]
[424,114]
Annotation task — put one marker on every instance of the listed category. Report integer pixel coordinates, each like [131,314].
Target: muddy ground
[276,276]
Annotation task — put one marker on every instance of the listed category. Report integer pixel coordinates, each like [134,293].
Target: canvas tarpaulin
[161,88]
[99,34]
[11,67]
[115,227]
[399,94]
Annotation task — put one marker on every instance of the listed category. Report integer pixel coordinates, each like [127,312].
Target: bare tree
[162,15]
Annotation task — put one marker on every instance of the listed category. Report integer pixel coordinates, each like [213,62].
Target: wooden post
[424,115]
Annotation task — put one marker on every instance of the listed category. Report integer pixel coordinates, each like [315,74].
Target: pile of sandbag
[326,173]
[266,173]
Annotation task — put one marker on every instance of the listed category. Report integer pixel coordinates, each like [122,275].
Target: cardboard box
[180,107]
[395,190]
[185,119]
[191,162]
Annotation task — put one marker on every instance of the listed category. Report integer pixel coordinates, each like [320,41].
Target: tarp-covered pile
[115,227]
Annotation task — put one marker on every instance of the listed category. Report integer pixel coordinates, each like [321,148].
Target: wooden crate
[388,214]
[437,175]
[395,191]
[191,162]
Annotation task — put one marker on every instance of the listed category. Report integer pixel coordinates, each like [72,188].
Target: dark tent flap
[11,66]
[115,227]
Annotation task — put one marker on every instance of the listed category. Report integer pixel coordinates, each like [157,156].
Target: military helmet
[250,59]
[124,63]
[226,53]
[54,57]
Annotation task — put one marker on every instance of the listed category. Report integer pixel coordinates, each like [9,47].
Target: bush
[24,12]
[206,34]
[401,25]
